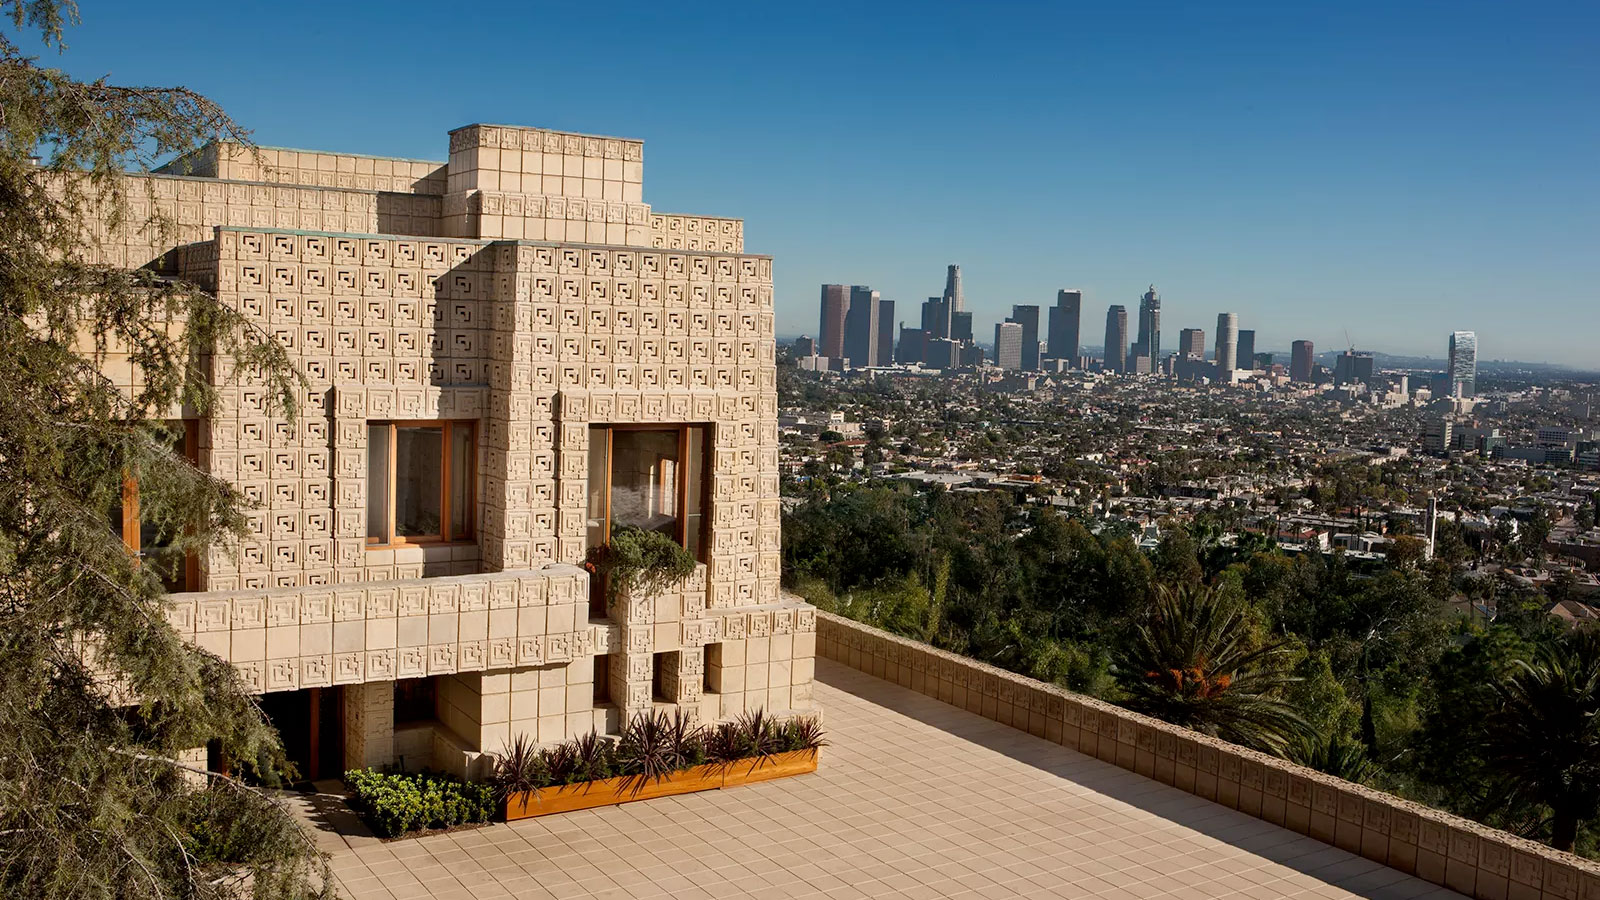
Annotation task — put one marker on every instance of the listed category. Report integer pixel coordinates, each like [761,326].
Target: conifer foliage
[99,697]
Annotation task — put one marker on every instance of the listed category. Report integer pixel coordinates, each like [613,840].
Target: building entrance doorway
[311,724]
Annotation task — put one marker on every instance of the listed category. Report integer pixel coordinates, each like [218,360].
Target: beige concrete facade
[525,289]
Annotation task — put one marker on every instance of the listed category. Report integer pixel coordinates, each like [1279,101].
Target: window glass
[598,466]
[694,489]
[140,532]
[378,483]
[644,480]
[462,475]
[418,489]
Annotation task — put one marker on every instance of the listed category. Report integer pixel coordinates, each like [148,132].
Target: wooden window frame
[681,513]
[130,534]
[445,537]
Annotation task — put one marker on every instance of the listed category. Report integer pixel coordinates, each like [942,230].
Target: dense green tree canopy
[1366,675]
[100,697]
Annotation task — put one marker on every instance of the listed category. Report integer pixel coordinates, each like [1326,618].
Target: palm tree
[1544,740]
[1334,755]
[1194,661]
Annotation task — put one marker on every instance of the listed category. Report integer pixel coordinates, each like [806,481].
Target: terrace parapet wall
[1435,846]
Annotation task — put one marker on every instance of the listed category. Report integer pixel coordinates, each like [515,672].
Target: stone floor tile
[915,800]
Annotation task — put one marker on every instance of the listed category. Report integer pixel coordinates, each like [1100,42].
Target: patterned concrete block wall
[1447,850]
[539,298]
[369,725]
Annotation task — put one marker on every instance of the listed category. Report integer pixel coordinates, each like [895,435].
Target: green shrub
[638,560]
[395,804]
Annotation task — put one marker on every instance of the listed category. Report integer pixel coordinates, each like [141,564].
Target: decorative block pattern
[523,285]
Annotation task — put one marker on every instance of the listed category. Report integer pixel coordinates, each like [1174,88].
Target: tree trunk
[1369,728]
[1564,831]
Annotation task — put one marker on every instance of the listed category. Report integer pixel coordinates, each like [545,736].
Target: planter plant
[393,804]
[658,755]
[639,561]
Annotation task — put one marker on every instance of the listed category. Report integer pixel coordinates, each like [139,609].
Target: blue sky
[1399,170]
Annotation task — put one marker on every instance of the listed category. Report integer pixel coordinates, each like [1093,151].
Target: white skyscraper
[1463,364]
[1227,344]
[1008,345]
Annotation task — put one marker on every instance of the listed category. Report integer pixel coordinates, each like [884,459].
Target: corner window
[420,484]
[177,570]
[655,478]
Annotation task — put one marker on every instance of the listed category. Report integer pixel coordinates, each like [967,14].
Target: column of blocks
[369,725]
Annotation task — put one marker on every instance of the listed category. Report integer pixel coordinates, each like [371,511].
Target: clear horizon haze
[1397,170]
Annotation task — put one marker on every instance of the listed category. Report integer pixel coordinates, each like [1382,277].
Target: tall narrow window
[421,479]
[177,570]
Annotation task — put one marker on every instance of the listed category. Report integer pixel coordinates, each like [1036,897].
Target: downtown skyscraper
[868,328]
[1227,344]
[1463,364]
[1028,317]
[1116,354]
[952,289]
[1008,345]
[1066,320]
[1245,355]
[835,306]
[1302,359]
[1149,342]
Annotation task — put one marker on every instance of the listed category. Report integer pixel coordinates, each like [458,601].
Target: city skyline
[1312,169]
[1060,341]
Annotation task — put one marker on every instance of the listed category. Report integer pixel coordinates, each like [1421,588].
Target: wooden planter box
[779,765]
[612,791]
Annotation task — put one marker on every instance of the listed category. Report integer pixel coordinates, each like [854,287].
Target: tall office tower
[863,328]
[1008,344]
[1247,349]
[936,318]
[1300,361]
[1066,317]
[835,305]
[1352,367]
[1227,344]
[1116,355]
[952,290]
[961,327]
[1028,318]
[1192,342]
[913,346]
[884,351]
[1463,363]
[1150,326]
[805,346]
[942,353]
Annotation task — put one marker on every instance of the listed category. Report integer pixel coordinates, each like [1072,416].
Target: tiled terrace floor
[914,799]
